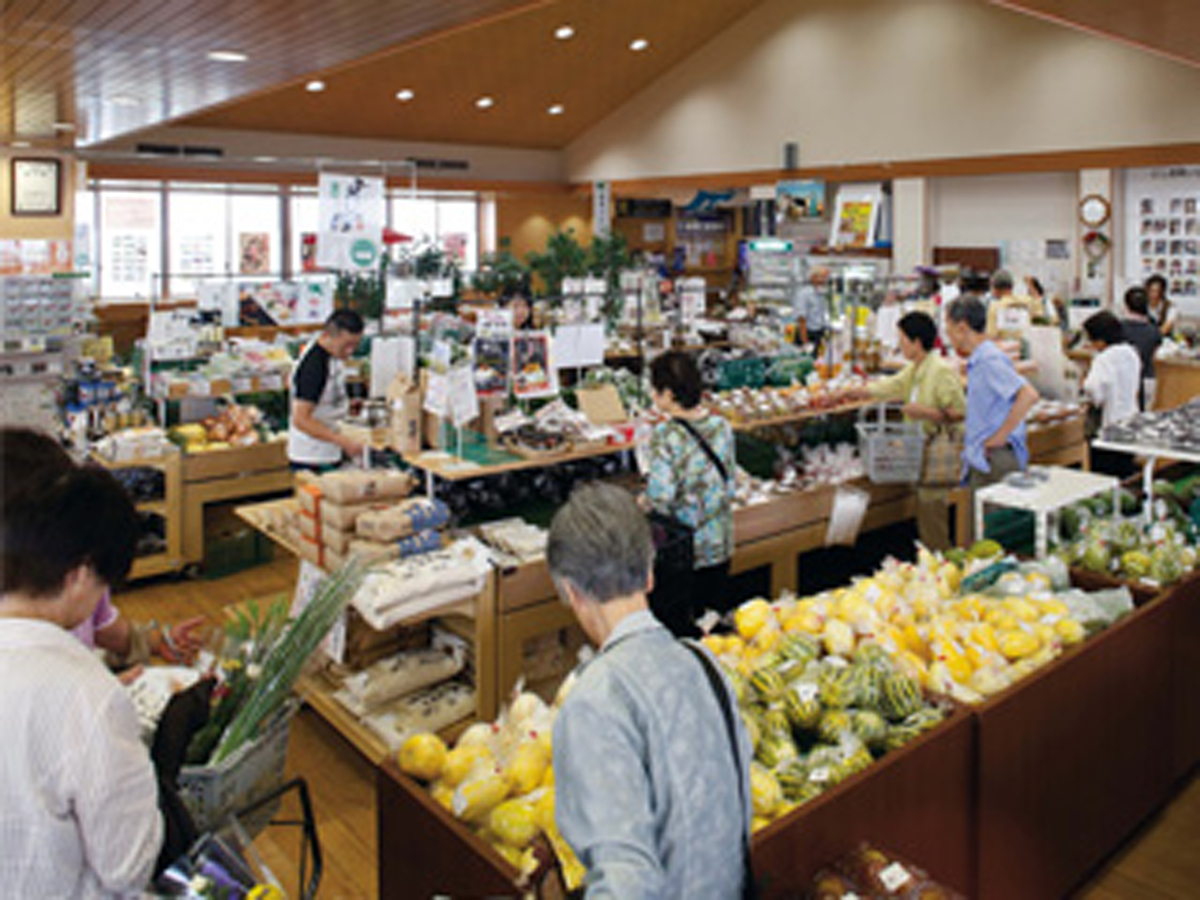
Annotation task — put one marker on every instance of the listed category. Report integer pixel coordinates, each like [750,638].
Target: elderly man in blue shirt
[998,399]
[652,778]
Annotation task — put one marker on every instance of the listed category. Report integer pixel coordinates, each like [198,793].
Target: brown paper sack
[404,402]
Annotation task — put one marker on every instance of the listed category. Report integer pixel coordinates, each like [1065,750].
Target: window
[254,234]
[197,224]
[448,221]
[130,243]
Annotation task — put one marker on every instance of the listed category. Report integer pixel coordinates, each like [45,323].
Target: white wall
[298,152]
[858,81]
[988,211]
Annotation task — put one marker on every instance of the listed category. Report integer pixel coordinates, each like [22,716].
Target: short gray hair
[970,309]
[600,542]
[1002,280]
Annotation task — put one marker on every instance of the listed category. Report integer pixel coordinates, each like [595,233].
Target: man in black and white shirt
[318,390]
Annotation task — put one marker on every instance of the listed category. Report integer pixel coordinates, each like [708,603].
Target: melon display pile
[829,683]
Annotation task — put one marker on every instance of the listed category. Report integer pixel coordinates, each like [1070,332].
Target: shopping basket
[892,452]
[213,792]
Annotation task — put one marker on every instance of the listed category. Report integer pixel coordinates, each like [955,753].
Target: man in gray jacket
[650,793]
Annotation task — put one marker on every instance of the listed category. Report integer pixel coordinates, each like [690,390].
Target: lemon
[422,756]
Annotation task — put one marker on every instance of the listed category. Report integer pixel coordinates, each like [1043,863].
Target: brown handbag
[943,458]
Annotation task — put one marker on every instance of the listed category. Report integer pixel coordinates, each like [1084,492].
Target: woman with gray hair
[651,760]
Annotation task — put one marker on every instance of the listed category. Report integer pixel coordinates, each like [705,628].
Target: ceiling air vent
[445,165]
[209,152]
[158,150]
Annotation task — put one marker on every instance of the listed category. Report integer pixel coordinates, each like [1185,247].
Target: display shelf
[803,416]
[169,507]
[440,464]
[1177,380]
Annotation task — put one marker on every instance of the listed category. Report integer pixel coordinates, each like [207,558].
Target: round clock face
[1093,210]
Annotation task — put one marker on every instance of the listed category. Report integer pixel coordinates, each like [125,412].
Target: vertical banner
[601,208]
[352,214]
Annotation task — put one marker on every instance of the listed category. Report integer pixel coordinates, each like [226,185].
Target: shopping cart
[226,858]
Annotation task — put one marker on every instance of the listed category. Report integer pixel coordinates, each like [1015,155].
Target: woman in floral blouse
[692,478]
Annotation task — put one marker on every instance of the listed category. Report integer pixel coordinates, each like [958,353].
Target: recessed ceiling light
[564,32]
[315,87]
[405,95]
[638,45]
[557,109]
[266,159]
[227,56]
[485,102]
[21,145]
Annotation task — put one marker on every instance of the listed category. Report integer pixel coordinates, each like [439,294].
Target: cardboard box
[602,405]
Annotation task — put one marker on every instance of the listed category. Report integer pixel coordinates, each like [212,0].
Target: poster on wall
[1162,230]
[197,254]
[254,253]
[856,215]
[532,373]
[352,214]
[796,201]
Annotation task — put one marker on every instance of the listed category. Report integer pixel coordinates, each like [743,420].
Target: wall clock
[36,187]
[1094,210]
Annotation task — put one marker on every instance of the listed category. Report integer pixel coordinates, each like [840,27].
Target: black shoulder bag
[749,890]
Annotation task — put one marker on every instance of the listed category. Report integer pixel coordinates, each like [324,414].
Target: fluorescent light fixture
[638,45]
[485,102]
[21,145]
[315,86]
[266,159]
[405,95]
[564,32]
[557,109]
[227,56]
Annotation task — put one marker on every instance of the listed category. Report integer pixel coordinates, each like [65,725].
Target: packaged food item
[344,516]
[402,674]
[357,486]
[872,874]
[402,519]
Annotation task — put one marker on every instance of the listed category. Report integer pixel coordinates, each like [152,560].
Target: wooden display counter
[916,801]
[1073,758]
[1184,604]
[220,475]
[1059,443]
[1177,381]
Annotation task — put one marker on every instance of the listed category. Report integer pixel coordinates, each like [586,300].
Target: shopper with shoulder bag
[931,390]
[691,480]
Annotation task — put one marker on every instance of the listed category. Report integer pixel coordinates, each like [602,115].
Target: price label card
[895,877]
[436,394]
[807,691]
[819,775]
[463,400]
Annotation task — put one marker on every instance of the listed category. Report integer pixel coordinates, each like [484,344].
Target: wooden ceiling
[80,72]
[105,67]
[516,60]
[1168,27]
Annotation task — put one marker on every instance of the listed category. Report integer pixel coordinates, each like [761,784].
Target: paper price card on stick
[436,393]
[464,402]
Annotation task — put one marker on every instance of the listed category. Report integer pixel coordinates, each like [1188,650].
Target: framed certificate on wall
[36,187]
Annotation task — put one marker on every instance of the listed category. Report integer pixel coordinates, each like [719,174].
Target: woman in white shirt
[1111,385]
[79,810]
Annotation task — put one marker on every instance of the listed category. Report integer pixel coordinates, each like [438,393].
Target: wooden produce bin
[1071,759]
[425,852]
[917,801]
[236,474]
[1184,609]
[1059,443]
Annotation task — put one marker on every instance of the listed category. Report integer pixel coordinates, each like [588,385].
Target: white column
[910,224]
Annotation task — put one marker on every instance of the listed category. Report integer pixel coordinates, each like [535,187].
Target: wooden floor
[1161,862]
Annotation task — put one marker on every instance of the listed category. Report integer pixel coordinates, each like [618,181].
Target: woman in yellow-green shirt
[931,391]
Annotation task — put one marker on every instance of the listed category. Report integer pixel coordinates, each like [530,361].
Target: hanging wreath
[1096,244]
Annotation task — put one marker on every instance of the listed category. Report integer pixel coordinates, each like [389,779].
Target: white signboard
[352,215]
[601,208]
